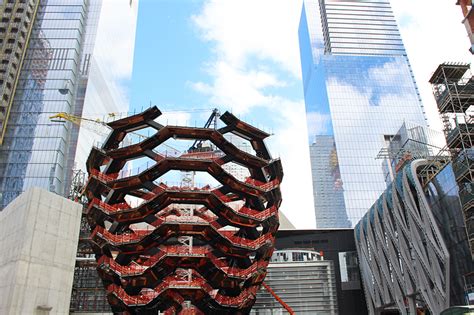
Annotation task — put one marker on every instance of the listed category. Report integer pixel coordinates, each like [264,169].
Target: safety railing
[103,177]
[264,186]
[109,208]
[174,282]
[168,251]
[138,235]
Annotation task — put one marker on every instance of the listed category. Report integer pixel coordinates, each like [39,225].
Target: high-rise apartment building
[63,56]
[15,31]
[358,89]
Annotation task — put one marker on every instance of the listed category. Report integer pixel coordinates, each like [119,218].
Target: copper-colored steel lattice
[160,255]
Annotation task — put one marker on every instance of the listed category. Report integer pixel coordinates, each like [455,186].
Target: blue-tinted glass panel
[358,90]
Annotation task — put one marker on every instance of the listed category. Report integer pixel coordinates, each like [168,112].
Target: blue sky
[168,54]
[173,60]
[242,55]
[200,55]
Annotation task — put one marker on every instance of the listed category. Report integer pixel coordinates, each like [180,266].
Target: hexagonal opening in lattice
[207,242]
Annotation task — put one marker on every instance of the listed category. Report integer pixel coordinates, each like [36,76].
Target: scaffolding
[453,87]
[88,293]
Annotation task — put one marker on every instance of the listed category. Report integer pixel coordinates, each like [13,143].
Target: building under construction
[182,248]
[453,87]
[468,21]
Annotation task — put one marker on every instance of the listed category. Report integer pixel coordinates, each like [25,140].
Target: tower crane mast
[212,120]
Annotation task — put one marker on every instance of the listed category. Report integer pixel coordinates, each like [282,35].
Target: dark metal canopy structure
[182,249]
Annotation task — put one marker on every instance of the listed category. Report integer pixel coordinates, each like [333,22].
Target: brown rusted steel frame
[142,269]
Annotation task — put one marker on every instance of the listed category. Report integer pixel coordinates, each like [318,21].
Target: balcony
[19,15]
[15,24]
[23,29]
[8,46]
[7,89]
[3,103]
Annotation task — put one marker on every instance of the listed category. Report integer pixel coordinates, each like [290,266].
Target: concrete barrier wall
[39,231]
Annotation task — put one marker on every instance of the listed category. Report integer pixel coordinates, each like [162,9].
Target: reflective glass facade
[443,197]
[109,60]
[412,141]
[358,89]
[54,78]
[34,150]
[327,183]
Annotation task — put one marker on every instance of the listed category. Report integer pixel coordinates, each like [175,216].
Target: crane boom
[285,306]
[74,119]
[78,120]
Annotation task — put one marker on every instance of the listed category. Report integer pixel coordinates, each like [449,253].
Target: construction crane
[212,120]
[98,126]
[198,150]
[92,124]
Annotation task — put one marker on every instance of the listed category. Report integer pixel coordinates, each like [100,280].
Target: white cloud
[116,37]
[388,73]
[432,34]
[266,29]
[245,32]
[290,142]
[235,88]
[318,124]
[175,118]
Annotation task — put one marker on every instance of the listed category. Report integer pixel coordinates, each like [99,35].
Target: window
[349,270]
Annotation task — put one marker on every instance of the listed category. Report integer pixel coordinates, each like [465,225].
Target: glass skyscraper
[63,70]
[358,89]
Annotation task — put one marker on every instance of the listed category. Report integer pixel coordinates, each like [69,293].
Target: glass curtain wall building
[56,76]
[109,61]
[358,89]
[34,151]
